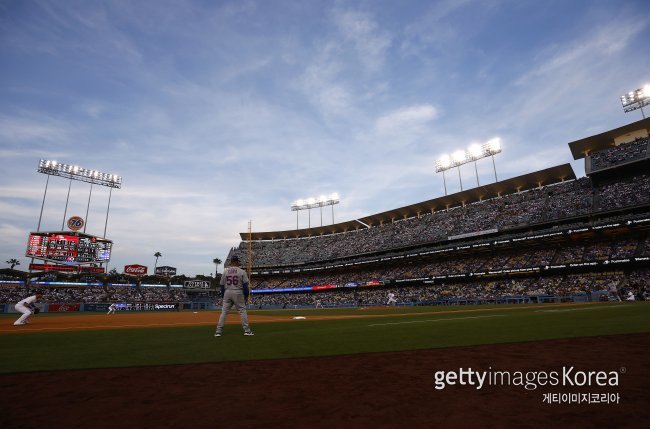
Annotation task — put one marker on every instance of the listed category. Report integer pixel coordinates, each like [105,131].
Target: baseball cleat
[248,334]
[218,334]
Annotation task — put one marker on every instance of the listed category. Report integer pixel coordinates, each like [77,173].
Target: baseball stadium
[395,319]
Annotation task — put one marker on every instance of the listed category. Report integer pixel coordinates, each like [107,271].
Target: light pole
[474,153]
[491,148]
[65,212]
[442,165]
[90,194]
[47,182]
[459,158]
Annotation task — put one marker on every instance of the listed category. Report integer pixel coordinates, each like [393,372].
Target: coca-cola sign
[135,270]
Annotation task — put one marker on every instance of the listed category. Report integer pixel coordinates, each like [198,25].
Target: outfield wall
[194,306]
[103,307]
[533,299]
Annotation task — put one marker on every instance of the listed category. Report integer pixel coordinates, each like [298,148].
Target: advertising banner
[323,287]
[103,307]
[196,284]
[66,268]
[75,223]
[165,271]
[63,308]
[2,308]
[286,289]
[167,306]
[135,270]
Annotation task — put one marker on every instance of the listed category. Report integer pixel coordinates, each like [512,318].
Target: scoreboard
[71,247]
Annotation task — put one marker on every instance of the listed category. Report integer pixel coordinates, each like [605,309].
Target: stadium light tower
[74,172]
[310,203]
[472,154]
[637,99]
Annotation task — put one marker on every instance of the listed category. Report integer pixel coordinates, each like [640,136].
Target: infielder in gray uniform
[234,289]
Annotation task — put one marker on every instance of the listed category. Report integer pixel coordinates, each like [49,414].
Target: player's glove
[36,310]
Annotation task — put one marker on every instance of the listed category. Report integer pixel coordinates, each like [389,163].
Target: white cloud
[29,128]
[590,51]
[340,77]
[406,118]
[434,29]
[319,82]
[370,43]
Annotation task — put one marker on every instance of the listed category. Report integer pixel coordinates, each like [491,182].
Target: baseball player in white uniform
[234,289]
[391,299]
[111,309]
[25,307]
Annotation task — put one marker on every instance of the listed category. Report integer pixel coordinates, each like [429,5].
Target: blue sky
[220,112]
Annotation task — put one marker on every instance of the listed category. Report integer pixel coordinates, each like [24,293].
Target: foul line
[579,309]
[438,320]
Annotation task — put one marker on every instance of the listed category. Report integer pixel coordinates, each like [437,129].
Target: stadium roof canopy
[581,148]
[526,182]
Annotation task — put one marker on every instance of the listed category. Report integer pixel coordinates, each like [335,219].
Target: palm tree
[217,262]
[157,255]
[13,262]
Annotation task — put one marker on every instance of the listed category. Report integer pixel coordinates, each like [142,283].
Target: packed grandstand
[540,237]
[544,236]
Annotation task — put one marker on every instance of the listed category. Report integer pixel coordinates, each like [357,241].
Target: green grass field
[429,327]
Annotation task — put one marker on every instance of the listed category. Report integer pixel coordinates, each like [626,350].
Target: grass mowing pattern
[182,345]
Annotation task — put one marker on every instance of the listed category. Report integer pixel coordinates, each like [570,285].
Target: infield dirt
[129,320]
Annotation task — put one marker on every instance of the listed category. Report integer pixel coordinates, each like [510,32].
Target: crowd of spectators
[95,294]
[462,264]
[625,193]
[520,289]
[621,154]
[504,290]
[553,202]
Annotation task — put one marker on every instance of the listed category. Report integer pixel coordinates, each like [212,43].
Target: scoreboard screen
[71,247]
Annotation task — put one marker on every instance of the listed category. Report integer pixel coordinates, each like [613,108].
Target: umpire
[234,289]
